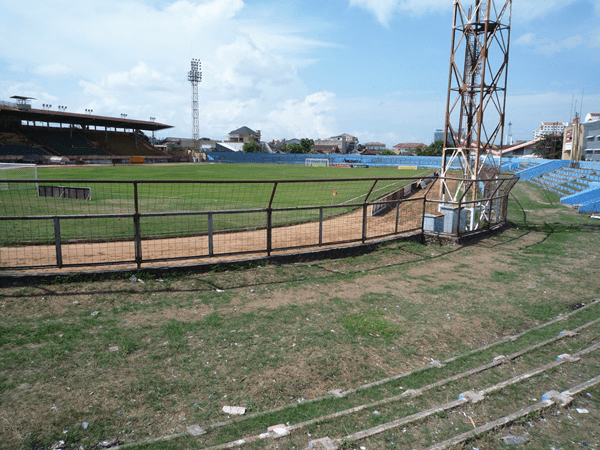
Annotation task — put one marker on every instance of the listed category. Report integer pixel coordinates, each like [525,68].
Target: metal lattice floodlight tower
[194,77]
[476,102]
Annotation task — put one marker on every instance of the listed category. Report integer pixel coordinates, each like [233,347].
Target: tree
[294,148]
[388,152]
[305,146]
[252,147]
[435,149]
[549,147]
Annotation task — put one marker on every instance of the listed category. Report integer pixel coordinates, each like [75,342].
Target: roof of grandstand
[85,120]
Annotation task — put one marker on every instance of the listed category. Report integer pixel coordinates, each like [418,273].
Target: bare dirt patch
[265,336]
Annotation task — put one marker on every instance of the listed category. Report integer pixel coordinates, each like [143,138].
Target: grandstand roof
[517,146]
[42,115]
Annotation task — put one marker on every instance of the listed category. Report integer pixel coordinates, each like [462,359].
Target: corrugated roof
[409,145]
[244,131]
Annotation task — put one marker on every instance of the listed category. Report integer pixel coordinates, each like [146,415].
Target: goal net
[319,162]
[13,171]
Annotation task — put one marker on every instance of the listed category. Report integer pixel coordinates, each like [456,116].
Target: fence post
[364,225]
[365,206]
[137,229]
[397,216]
[210,235]
[270,221]
[320,226]
[459,211]
[57,242]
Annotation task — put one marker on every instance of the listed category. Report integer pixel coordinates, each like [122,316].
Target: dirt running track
[230,246]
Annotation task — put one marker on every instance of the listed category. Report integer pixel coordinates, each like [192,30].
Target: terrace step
[525,412]
[581,335]
[548,400]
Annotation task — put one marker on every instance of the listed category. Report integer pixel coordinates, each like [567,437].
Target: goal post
[16,171]
[319,162]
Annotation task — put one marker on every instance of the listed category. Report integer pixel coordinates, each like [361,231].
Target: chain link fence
[77,223]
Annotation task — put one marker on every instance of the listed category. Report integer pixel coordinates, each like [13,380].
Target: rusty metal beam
[477,82]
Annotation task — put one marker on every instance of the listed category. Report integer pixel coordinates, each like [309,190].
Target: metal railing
[154,222]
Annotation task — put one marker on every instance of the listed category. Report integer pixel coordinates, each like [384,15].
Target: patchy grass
[140,361]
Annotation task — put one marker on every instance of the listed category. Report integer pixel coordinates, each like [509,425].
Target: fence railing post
[458,217]
[397,216]
[270,221]
[137,239]
[210,235]
[365,207]
[364,225]
[320,226]
[57,242]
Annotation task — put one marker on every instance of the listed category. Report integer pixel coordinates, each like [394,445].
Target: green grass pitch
[224,195]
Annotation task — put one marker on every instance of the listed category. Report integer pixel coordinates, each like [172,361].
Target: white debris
[234,410]
[195,430]
[278,430]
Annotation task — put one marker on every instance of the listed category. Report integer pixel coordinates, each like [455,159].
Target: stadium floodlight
[62,107]
[194,77]
[89,111]
[152,119]
[123,116]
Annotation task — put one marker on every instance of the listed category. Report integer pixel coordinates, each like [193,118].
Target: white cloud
[527,39]
[423,6]
[393,118]
[381,9]
[52,70]
[527,11]
[140,77]
[566,44]
[310,117]
[131,56]
[523,11]
[549,47]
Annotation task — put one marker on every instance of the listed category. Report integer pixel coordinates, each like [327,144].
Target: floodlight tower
[476,102]
[194,77]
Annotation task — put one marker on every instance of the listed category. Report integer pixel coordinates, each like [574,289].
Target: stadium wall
[358,160]
[434,162]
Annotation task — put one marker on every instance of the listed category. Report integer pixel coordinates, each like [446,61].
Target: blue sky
[376,69]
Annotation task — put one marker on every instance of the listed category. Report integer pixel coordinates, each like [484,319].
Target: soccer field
[189,188]
[219,172]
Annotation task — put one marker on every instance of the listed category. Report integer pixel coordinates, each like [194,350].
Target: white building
[582,140]
[592,117]
[550,128]
[347,142]
[375,147]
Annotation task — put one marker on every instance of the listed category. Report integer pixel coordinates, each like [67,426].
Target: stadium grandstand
[44,135]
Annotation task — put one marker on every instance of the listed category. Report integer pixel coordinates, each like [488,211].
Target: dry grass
[263,337]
